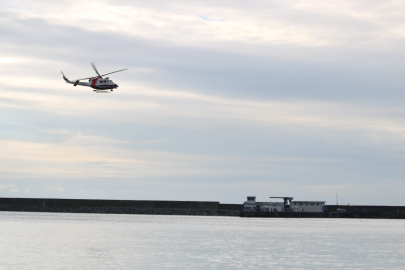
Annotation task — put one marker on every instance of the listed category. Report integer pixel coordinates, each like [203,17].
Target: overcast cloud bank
[222,100]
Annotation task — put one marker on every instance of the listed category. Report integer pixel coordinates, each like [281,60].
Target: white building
[308,206]
[252,205]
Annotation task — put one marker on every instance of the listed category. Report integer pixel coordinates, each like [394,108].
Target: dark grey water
[96,241]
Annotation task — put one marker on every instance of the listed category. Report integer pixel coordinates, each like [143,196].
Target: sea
[31,240]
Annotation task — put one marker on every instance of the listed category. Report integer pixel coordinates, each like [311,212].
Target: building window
[301,204]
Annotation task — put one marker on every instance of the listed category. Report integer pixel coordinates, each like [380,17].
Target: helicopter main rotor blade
[114,72]
[95,69]
[94,66]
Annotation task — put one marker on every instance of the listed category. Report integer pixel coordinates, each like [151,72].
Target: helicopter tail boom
[64,77]
[75,83]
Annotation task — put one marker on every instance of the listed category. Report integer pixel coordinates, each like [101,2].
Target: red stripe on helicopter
[94,82]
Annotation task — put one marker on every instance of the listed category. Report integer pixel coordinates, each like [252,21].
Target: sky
[222,100]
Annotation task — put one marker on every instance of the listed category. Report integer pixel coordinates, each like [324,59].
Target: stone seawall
[198,208]
[66,203]
[366,208]
[120,210]
[381,215]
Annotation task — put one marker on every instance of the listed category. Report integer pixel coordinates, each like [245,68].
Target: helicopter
[98,83]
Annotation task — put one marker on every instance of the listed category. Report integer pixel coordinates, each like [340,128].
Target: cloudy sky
[222,99]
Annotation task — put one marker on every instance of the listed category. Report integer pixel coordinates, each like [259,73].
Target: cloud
[254,71]
[9,60]
[56,187]
[310,23]
[7,186]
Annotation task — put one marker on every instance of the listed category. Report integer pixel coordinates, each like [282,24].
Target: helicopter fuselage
[102,83]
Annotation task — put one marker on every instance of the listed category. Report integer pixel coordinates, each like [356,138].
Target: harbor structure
[272,207]
[289,205]
[308,206]
[251,205]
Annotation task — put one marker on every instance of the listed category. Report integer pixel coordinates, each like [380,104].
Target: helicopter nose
[115,85]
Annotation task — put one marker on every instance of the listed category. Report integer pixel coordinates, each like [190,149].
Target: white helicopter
[98,83]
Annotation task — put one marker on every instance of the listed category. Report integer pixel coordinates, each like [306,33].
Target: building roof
[269,203]
[308,202]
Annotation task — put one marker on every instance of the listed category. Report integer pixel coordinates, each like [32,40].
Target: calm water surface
[100,241]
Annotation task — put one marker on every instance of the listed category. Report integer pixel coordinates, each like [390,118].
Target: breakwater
[200,208]
[121,210]
[382,215]
[197,208]
[368,211]
[366,208]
